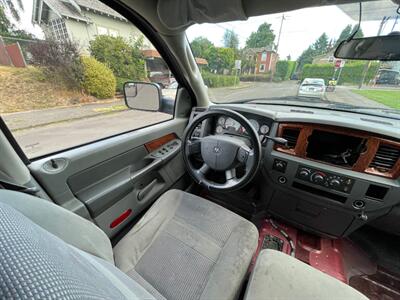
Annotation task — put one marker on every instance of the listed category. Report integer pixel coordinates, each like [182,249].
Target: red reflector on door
[121,218]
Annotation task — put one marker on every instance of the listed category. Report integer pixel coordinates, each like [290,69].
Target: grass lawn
[388,98]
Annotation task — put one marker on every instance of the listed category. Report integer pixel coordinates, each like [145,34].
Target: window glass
[288,58]
[63,73]
[264,56]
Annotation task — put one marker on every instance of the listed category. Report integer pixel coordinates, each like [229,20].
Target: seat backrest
[69,227]
[36,264]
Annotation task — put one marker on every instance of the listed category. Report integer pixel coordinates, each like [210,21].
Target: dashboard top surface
[281,113]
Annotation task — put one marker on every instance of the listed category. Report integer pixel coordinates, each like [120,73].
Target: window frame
[158,43]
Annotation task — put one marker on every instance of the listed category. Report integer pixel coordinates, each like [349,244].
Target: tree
[320,46]
[8,29]
[12,7]
[220,58]
[124,59]
[231,39]
[200,45]
[346,32]
[263,37]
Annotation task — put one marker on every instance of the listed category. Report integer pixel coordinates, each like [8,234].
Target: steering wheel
[223,153]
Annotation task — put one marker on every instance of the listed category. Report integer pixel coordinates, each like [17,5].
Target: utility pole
[280,31]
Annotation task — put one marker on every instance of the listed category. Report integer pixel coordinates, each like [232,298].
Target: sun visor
[179,14]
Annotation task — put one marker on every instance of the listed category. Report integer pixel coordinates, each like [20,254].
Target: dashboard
[338,172]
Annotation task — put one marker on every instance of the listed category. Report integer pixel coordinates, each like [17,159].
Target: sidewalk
[35,118]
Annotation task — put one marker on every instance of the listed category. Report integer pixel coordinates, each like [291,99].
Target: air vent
[385,158]
[291,135]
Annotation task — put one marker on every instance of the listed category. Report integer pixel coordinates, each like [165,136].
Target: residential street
[282,89]
[49,130]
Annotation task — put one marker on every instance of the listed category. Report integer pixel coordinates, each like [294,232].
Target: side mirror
[371,48]
[142,96]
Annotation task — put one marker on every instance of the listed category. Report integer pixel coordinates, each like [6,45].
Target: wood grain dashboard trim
[373,143]
[157,143]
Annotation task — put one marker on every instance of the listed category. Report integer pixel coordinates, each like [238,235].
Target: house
[263,60]
[81,21]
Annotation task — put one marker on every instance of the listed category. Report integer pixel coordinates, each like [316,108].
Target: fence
[15,51]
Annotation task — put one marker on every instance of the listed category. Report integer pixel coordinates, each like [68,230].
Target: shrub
[124,58]
[120,83]
[351,74]
[260,78]
[284,70]
[215,80]
[98,80]
[59,61]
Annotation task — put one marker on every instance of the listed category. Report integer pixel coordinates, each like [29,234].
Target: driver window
[63,71]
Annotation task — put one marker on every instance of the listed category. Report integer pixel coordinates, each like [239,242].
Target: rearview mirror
[371,48]
[142,96]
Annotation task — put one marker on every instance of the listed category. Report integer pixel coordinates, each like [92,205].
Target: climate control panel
[332,181]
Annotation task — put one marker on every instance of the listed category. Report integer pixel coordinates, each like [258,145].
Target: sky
[300,28]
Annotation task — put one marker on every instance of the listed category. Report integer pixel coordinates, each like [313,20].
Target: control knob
[304,173]
[318,178]
[334,182]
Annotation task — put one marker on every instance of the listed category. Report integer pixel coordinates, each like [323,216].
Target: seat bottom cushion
[279,276]
[187,247]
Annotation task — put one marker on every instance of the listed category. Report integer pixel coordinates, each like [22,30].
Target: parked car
[389,77]
[312,87]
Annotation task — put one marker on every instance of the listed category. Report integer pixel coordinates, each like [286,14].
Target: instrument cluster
[228,125]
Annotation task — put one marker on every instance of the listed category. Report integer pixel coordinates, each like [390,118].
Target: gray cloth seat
[185,247]
[189,248]
[279,276]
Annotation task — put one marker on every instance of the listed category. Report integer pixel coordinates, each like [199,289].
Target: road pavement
[264,90]
[42,140]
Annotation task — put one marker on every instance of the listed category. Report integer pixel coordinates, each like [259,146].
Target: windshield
[289,58]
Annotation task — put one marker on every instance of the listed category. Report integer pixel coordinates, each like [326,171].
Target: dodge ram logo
[217,149]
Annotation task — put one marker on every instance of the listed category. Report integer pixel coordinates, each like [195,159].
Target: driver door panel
[112,181]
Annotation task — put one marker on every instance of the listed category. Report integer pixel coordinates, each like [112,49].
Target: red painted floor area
[335,257]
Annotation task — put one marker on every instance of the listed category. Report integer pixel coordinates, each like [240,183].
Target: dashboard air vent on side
[385,158]
[291,135]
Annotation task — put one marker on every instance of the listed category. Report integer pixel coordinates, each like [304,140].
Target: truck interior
[249,199]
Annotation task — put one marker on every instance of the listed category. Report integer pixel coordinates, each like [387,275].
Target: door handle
[146,190]
[147,169]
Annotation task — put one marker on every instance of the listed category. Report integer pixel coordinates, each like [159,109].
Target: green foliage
[120,83]
[231,39]
[98,79]
[284,70]
[320,46]
[346,32]
[200,45]
[259,78]
[220,58]
[351,74]
[216,80]
[7,29]
[124,59]
[263,37]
